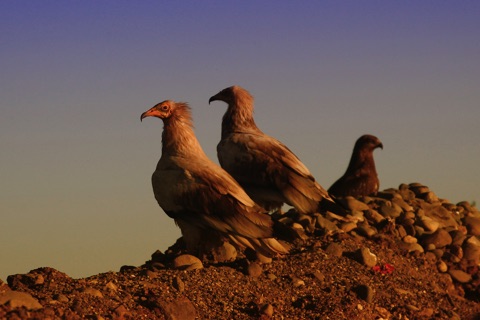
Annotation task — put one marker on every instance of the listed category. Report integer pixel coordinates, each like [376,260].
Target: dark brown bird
[269,172]
[361,178]
[203,199]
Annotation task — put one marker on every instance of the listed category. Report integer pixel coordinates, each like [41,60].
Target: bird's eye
[164,107]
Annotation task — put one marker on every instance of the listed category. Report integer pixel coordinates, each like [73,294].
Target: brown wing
[205,195]
[260,161]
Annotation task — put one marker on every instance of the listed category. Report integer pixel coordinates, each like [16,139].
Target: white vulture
[361,177]
[269,172]
[204,200]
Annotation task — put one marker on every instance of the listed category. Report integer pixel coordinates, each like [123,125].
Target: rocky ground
[404,254]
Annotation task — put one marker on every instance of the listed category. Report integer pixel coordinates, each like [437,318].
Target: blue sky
[76,161]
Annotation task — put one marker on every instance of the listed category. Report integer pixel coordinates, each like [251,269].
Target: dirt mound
[403,254]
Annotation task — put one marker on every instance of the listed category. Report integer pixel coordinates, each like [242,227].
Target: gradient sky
[76,161]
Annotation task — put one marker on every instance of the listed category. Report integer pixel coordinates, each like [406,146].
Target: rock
[410,247]
[267,310]
[180,309]
[429,197]
[473,225]
[263,259]
[158,256]
[348,226]
[178,284]
[458,237]
[353,204]
[442,266]
[460,276]
[418,188]
[402,204]
[366,257]
[440,238]
[390,210]
[406,193]
[364,292]
[120,312]
[254,269]
[111,286]
[471,250]
[366,230]
[297,282]
[17,299]
[187,262]
[429,224]
[93,292]
[326,225]
[426,313]
[61,298]
[224,253]
[334,249]
[409,239]
[373,216]
[319,275]
[438,213]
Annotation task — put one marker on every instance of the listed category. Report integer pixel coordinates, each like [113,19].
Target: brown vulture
[269,172]
[361,178]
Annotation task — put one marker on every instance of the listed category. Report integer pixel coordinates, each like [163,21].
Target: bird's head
[162,110]
[227,95]
[231,95]
[368,141]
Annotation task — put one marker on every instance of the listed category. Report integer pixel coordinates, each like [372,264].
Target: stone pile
[421,222]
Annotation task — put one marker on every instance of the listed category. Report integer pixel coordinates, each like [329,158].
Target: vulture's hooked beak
[380,145]
[217,97]
[149,113]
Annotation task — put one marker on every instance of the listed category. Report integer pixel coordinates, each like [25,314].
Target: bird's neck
[179,139]
[238,119]
[361,160]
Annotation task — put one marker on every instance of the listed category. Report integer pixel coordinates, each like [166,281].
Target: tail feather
[268,247]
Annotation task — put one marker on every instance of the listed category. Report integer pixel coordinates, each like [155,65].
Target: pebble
[402,204]
[111,286]
[334,249]
[442,266]
[390,210]
[429,224]
[366,230]
[458,237]
[267,309]
[365,256]
[373,216]
[364,292]
[460,276]
[182,308]
[93,292]
[18,299]
[325,224]
[348,226]
[254,269]
[471,250]
[440,238]
[473,225]
[409,239]
[187,262]
[319,275]
[353,204]
[297,282]
[224,253]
